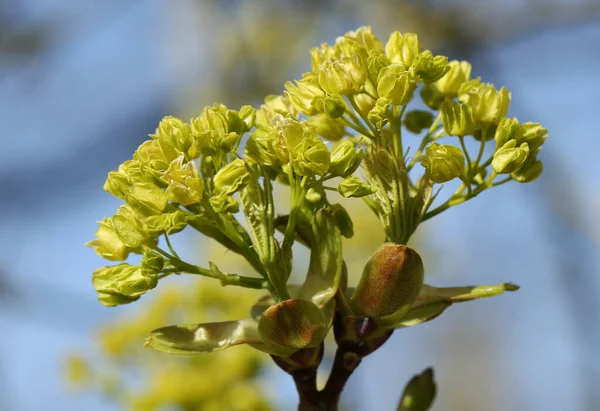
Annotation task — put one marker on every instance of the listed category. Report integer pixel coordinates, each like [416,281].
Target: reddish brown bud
[391,280]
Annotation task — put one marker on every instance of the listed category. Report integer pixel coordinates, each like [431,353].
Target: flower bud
[152,263]
[442,162]
[457,118]
[332,105]
[395,83]
[302,94]
[429,68]
[533,134]
[292,325]
[314,195]
[345,76]
[117,184]
[170,223]
[321,54]
[130,229]
[345,159]
[488,104]
[186,185]
[418,120]
[331,129]
[231,178]
[375,63]
[506,131]
[459,73]
[248,116]
[367,39]
[342,220]
[391,280]
[379,113]
[403,49]
[311,157]
[419,392]
[123,280]
[509,157]
[156,155]
[147,199]
[365,103]
[354,187]
[108,244]
[176,132]
[529,171]
[224,203]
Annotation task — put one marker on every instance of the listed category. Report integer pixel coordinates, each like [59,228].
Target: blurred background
[82,84]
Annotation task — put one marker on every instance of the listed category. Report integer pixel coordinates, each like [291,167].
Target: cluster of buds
[342,127]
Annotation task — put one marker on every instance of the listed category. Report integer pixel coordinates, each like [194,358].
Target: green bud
[122,280]
[321,54]
[375,63]
[418,120]
[419,393]
[152,263]
[170,223]
[529,171]
[396,84]
[488,104]
[117,184]
[332,105]
[224,203]
[391,281]
[432,97]
[331,129]
[292,325]
[533,134]
[367,39]
[354,187]
[365,103]
[248,116]
[260,148]
[303,94]
[156,155]
[442,162]
[506,131]
[176,132]
[457,118]
[311,157]
[130,229]
[403,49]
[314,195]
[342,220]
[345,159]
[345,76]
[378,114]
[111,299]
[186,185]
[108,244]
[231,178]
[459,73]
[429,68]
[509,157]
[147,199]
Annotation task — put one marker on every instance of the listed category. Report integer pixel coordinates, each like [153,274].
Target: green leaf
[432,301]
[204,338]
[325,267]
[419,393]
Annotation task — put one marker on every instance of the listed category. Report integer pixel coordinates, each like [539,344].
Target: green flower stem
[481,147]
[456,199]
[427,138]
[225,279]
[170,246]
[366,120]
[358,128]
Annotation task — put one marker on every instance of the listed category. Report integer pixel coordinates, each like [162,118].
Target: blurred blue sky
[78,109]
